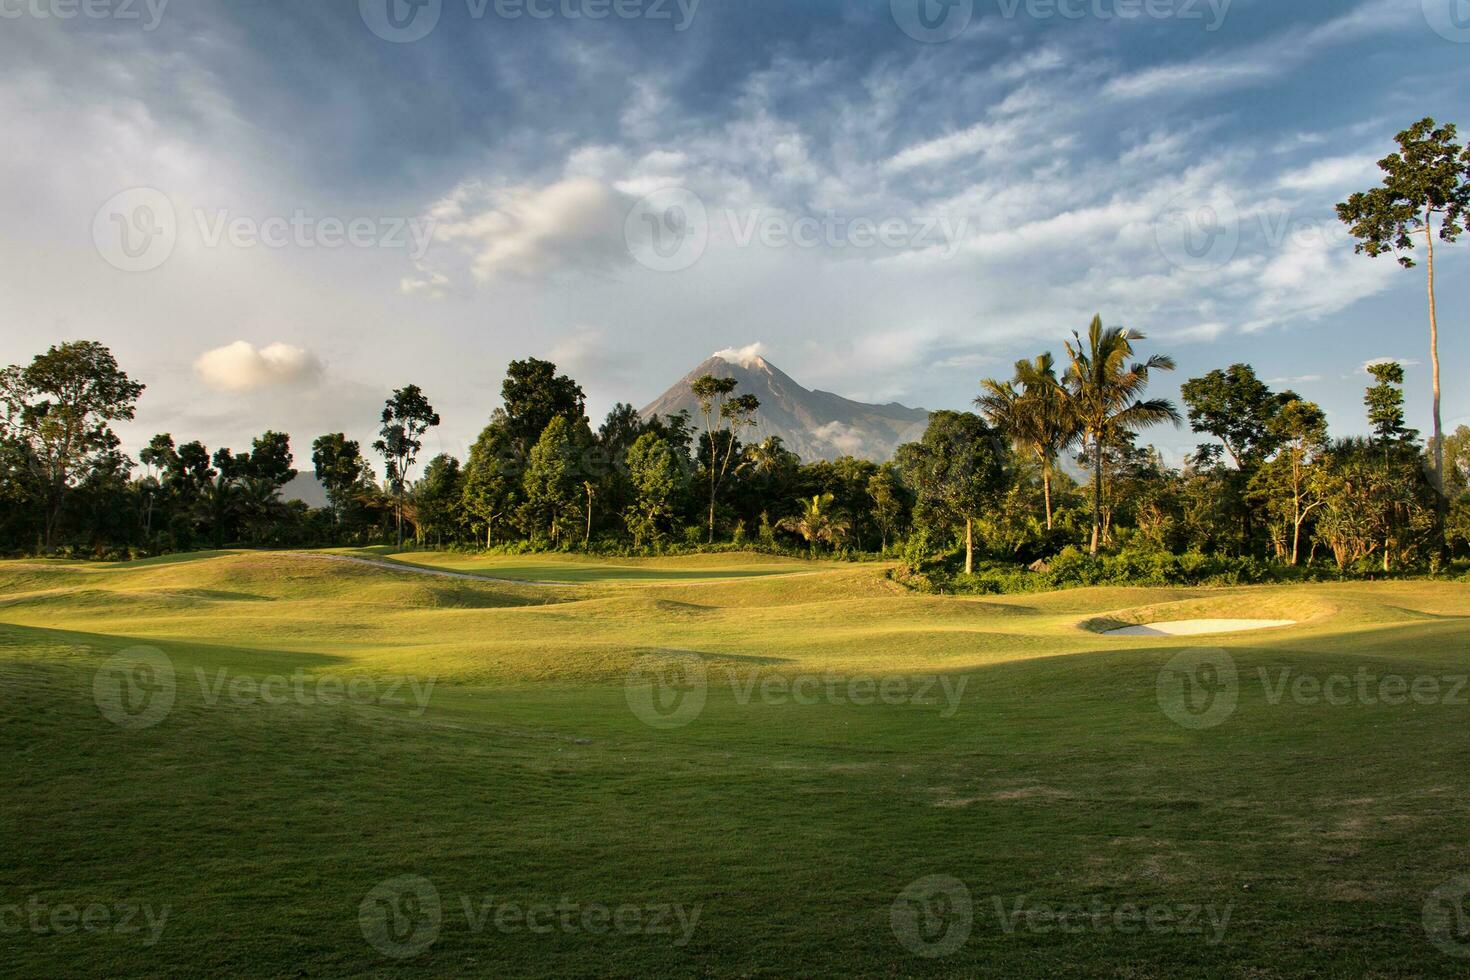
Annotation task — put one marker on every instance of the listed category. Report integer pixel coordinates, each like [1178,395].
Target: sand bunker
[1194,627]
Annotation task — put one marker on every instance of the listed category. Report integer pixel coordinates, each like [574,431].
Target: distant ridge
[813,424]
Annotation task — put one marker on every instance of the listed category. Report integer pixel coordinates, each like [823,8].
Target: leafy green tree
[1385,404]
[883,490]
[1034,411]
[60,408]
[534,394]
[1237,408]
[406,417]
[1427,179]
[958,469]
[492,479]
[656,476]
[550,485]
[724,415]
[340,468]
[436,500]
[1105,388]
[1292,483]
[270,459]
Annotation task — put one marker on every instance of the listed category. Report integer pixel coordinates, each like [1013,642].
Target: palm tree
[259,503]
[1104,389]
[1032,410]
[816,523]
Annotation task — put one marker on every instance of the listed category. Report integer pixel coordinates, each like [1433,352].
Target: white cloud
[982,138]
[843,437]
[571,225]
[1330,174]
[1375,361]
[240,367]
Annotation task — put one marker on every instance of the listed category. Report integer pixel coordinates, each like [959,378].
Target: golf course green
[361,763]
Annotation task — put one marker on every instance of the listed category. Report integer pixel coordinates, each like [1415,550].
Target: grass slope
[1056,779]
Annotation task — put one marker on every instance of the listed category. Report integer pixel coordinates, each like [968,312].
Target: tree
[816,523]
[1105,390]
[1429,177]
[492,479]
[270,459]
[957,469]
[406,417]
[1291,483]
[654,469]
[550,485]
[1034,412]
[1385,404]
[884,492]
[436,499]
[724,416]
[1236,408]
[534,395]
[59,407]
[341,470]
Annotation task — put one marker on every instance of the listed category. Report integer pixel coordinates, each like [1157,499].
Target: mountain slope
[814,424]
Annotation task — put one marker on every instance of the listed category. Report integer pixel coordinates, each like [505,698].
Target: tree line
[1050,460]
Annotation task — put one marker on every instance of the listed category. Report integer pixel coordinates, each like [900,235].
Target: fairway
[283,763]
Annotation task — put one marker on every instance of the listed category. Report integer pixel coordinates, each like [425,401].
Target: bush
[1073,568]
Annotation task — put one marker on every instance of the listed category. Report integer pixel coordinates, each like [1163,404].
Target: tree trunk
[1441,502]
[1046,488]
[969,546]
[587,536]
[1097,494]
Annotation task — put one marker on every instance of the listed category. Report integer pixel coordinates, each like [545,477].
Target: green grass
[1056,779]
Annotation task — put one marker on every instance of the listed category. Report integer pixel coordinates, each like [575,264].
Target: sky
[276,212]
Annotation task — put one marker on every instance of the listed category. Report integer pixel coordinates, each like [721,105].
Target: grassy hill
[743,765]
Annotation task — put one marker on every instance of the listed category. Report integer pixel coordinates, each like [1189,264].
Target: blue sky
[890,218]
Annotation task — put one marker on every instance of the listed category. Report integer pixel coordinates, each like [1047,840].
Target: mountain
[813,424]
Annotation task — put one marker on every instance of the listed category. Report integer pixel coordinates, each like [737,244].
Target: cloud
[844,437]
[1331,173]
[571,225]
[744,356]
[985,139]
[240,367]
[1375,361]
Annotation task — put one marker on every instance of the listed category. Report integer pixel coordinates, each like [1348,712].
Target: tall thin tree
[1429,177]
[406,417]
[1105,386]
